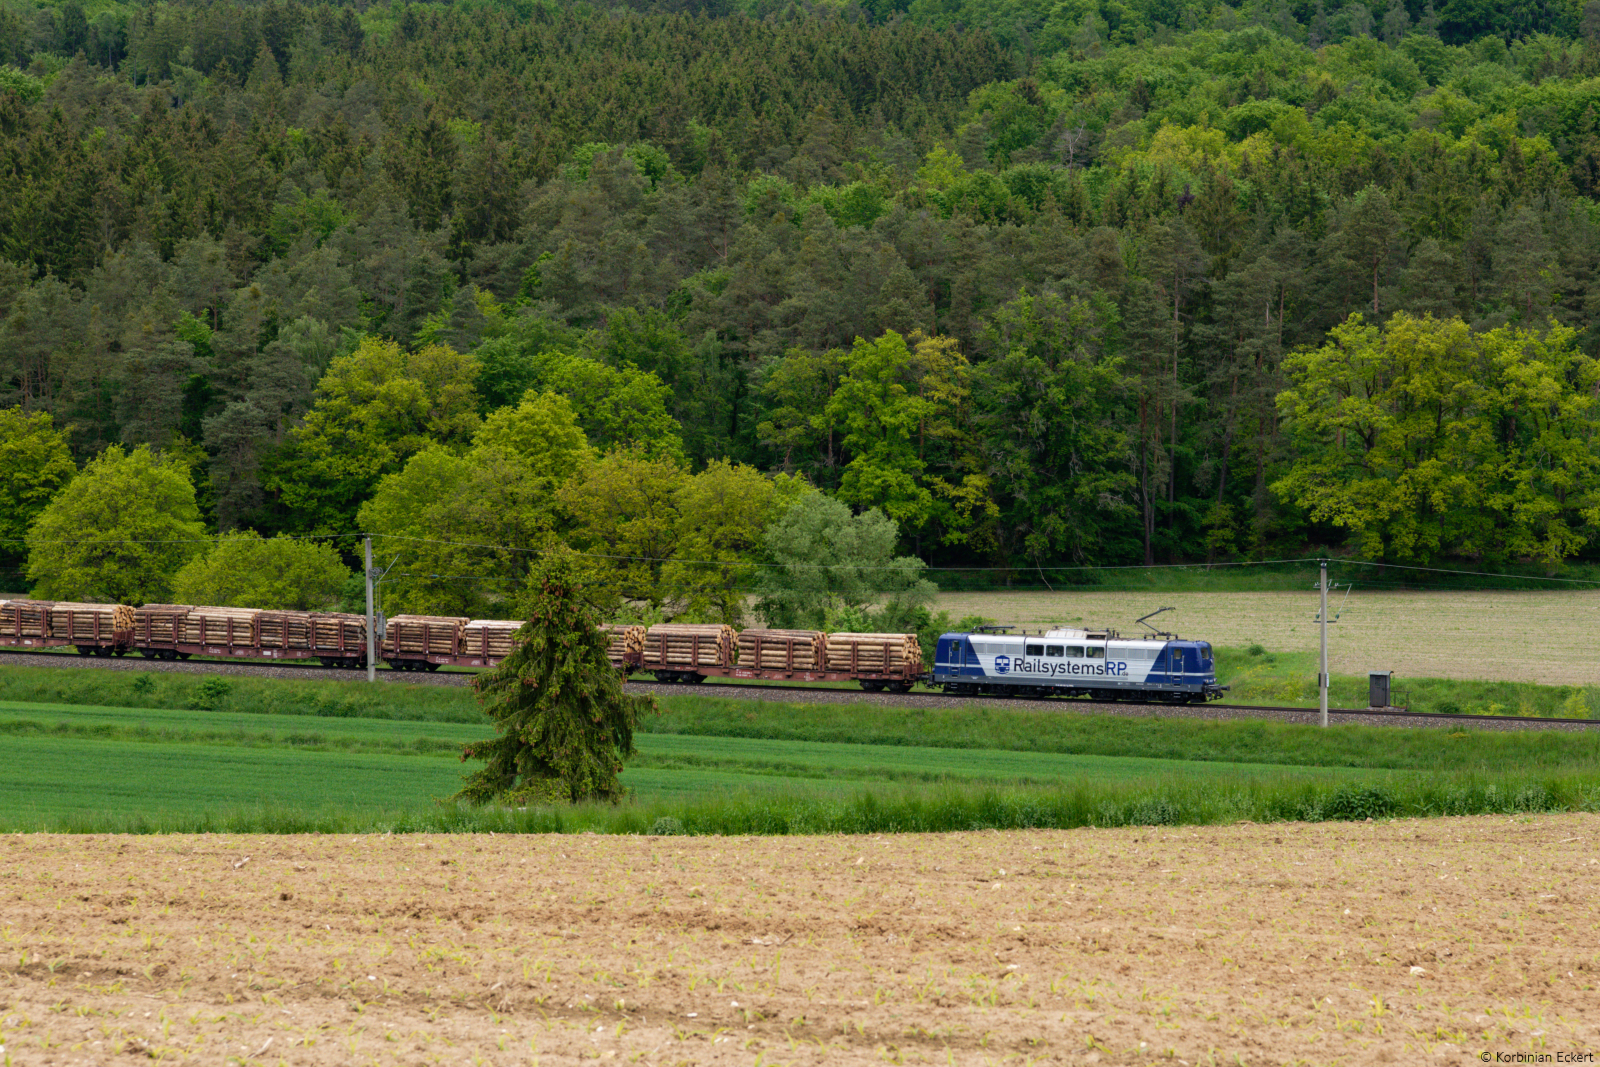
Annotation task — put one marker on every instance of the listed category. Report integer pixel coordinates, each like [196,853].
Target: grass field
[711,765]
[1545,638]
[1224,741]
[1257,676]
[165,761]
[908,743]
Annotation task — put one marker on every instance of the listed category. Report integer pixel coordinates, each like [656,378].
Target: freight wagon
[693,653]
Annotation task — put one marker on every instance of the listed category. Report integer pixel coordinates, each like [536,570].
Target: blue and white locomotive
[1092,663]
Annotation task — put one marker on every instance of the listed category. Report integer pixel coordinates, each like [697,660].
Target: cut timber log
[25,618]
[782,650]
[874,653]
[424,635]
[685,646]
[231,627]
[337,633]
[489,637]
[82,622]
[160,624]
[625,642]
[285,629]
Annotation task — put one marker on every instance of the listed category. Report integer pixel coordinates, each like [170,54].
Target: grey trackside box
[1379,686]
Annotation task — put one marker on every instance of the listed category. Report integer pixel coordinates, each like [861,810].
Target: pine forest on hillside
[687,287]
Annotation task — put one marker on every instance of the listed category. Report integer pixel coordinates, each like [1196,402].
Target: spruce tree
[564,723]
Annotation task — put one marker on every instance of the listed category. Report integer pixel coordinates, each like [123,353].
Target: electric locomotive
[1093,663]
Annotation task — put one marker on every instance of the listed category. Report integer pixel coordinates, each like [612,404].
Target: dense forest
[1043,284]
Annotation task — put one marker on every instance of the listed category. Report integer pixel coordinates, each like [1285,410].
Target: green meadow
[198,753]
[182,761]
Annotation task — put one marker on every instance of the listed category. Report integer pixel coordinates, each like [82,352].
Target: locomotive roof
[1071,634]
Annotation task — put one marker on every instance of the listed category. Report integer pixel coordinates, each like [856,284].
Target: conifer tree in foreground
[564,723]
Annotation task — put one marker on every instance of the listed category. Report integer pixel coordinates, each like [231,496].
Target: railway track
[197,665]
[814,694]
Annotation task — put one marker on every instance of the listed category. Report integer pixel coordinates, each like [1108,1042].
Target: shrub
[1154,811]
[1447,707]
[209,694]
[1351,802]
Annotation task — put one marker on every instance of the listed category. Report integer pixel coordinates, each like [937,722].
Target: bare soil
[1334,943]
[1507,637]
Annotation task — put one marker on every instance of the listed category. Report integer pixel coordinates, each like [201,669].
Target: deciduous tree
[34,464]
[246,570]
[1423,438]
[118,532]
[830,569]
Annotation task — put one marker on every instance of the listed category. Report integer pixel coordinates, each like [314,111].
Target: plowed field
[1331,943]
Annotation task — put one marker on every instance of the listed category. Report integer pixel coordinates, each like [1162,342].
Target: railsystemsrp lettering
[1005,665]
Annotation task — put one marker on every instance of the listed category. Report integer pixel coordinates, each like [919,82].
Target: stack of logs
[688,645]
[285,629]
[25,618]
[424,635]
[328,627]
[219,626]
[160,624]
[625,643]
[782,650]
[489,637]
[874,653]
[79,622]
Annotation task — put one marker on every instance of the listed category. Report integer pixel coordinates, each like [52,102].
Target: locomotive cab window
[1035,650]
[1053,650]
[1095,653]
[1074,651]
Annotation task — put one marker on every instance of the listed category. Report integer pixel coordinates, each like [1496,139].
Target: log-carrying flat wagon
[94,629]
[428,642]
[693,653]
[178,631]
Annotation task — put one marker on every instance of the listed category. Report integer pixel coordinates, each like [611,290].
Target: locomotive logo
[1002,664]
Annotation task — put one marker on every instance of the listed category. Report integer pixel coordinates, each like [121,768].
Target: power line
[849,566]
[1021,567]
[456,577]
[1475,574]
[172,540]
